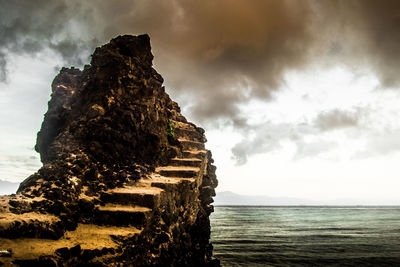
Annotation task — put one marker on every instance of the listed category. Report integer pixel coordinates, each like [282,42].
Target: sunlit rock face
[125,178]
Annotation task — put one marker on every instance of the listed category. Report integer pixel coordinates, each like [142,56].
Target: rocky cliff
[126,180]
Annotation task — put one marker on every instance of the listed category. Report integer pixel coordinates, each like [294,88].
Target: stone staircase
[133,204]
[124,211]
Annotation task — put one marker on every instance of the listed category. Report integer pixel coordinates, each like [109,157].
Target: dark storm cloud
[3,64]
[218,55]
[364,33]
[381,22]
[208,49]
[28,27]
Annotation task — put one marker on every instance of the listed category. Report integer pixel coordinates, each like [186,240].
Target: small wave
[312,236]
[329,229]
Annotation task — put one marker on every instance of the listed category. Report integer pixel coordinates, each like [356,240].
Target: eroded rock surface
[126,180]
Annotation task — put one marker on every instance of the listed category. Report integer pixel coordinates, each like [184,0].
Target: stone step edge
[110,207]
[187,159]
[177,168]
[184,140]
[134,190]
[33,248]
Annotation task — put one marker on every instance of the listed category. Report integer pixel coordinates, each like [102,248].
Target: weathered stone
[126,180]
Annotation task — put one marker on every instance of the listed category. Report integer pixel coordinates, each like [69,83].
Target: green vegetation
[170,130]
[162,153]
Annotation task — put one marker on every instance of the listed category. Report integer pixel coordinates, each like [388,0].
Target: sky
[298,98]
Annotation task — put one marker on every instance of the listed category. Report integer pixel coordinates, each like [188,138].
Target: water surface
[306,236]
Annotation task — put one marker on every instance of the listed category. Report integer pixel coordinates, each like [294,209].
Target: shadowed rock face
[125,178]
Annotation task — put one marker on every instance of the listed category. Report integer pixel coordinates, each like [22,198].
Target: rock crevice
[126,179]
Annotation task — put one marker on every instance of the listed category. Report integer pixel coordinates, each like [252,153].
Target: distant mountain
[229,198]
[7,188]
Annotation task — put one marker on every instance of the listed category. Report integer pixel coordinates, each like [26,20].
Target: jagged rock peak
[125,178]
[125,46]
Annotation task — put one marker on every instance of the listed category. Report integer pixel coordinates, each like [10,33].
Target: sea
[306,235]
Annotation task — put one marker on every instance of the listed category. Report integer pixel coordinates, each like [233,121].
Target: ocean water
[306,236]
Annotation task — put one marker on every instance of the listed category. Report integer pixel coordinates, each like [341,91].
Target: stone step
[190,162]
[30,224]
[183,125]
[171,184]
[191,145]
[178,172]
[121,215]
[85,239]
[133,195]
[199,154]
[189,134]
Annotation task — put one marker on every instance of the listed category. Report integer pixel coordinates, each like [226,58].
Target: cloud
[336,119]
[17,167]
[3,67]
[29,27]
[259,143]
[225,47]
[381,22]
[222,53]
[381,144]
[315,148]
[269,136]
[219,55]
[362,34]
[307,136]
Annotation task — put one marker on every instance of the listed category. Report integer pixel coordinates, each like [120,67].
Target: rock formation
[126,180]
